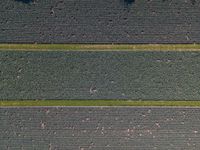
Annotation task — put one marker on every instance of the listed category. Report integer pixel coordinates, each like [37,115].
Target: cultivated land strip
[97,128]
[95,21]
[75,75]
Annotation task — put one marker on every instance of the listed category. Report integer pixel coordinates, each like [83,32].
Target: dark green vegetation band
[99,128]
[99,21]
[99,75]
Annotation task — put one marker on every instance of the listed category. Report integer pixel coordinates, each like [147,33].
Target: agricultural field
[97,128]
[95,21]
[99,74]
[85,75]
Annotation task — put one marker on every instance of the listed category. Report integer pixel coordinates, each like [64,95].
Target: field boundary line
[165,103]
[99,47]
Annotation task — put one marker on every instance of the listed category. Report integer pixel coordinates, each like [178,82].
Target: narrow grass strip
[97,103]
[100,47]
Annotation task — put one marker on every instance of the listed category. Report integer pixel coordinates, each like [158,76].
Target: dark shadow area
[128,2]
[193,2]
[25,1]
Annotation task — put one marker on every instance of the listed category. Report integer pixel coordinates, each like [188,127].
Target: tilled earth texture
[99,21]
[100,75]
[99,128]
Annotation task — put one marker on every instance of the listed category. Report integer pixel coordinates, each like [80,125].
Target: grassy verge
[101,47]
[97,103]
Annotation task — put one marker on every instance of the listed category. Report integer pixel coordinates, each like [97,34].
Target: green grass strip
[101,47]
[97,103]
